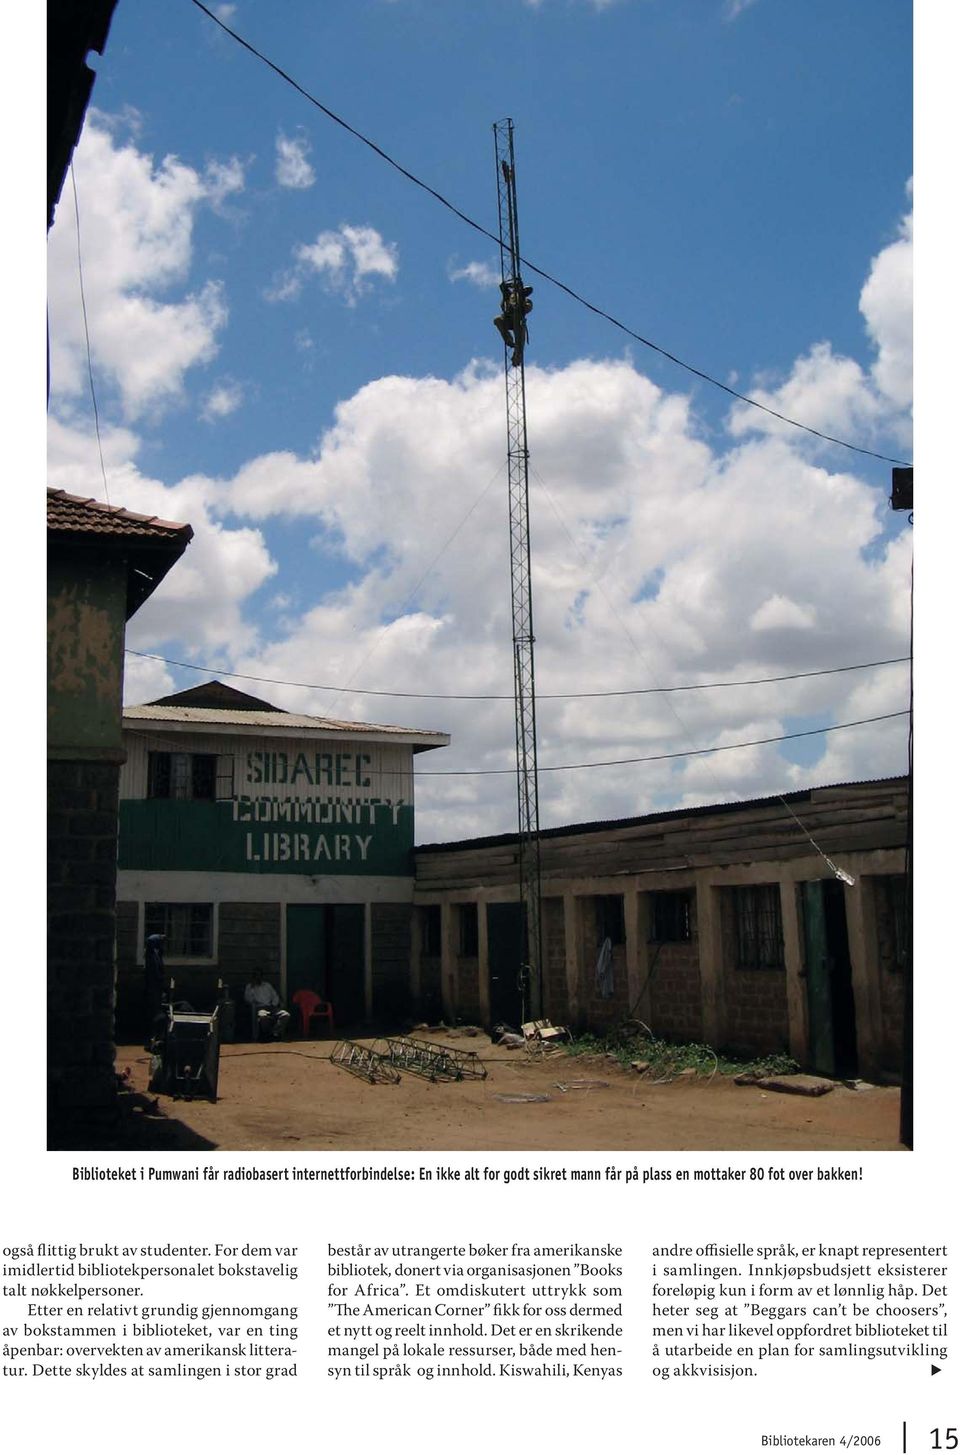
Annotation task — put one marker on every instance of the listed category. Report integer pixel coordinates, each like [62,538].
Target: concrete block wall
[595,1011]
[249,938]
[676,1010]
[756,1010]
[754,1002]
[556,1000]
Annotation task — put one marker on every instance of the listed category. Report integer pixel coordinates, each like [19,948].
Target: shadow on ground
[139,1126]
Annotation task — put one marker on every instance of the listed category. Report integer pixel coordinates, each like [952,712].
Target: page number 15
[945,1439]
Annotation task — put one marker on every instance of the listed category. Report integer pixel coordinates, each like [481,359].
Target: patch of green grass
[667,1058]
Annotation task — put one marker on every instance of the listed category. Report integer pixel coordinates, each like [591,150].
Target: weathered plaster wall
[85,634]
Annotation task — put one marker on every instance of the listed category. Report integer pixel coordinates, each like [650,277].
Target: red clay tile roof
[73,515]
[149,546]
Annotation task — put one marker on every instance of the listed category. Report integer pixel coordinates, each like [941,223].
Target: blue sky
[292,349]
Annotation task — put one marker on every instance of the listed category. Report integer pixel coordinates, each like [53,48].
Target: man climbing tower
[511,321]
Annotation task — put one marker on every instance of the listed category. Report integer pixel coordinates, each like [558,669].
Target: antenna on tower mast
[512,327]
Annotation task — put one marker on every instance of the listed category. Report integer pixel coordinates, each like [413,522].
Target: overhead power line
[507,697]
[166,740]
[840,873]
[658,757]
[86,334]
[548,277]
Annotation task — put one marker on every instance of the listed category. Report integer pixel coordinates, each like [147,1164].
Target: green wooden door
[306,949]
[819,986]
[325,953]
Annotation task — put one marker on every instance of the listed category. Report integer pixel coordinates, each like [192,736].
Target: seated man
[269,1016]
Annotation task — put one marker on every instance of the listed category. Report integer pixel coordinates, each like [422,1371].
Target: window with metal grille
[671,919]
[610,922]
[759,927]
[188,929]
[469,930]
[430,929]
[190,775]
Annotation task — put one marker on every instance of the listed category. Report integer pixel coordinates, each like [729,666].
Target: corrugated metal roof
[700,810]
[75,515]
[200,717]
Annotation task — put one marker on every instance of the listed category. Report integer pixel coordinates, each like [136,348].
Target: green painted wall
[234,836]
[86,616]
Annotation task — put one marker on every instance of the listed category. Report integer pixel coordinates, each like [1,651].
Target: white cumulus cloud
[223,399]
[661,556]
[779,613]
[136,228]
[200,603]
[656,561]
[483,275]
[346,260]
[887,306]
[835,394]
[292,167]
[222,179]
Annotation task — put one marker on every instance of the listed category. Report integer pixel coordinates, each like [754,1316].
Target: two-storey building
[255,838]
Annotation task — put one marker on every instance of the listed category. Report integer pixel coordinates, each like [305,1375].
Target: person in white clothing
[271,1018]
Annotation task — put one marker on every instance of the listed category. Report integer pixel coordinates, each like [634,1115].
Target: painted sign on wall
[295,812]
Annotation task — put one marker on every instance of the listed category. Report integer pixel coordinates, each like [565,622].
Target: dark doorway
[830,1001]
[505,958]
[325,953]
[346,962]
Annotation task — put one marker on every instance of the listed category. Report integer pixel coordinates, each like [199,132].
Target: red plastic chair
[311,1008]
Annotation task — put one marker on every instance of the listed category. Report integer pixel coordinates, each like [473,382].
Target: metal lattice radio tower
[515,305]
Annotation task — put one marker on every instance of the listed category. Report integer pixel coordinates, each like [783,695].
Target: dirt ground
[289,1097]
